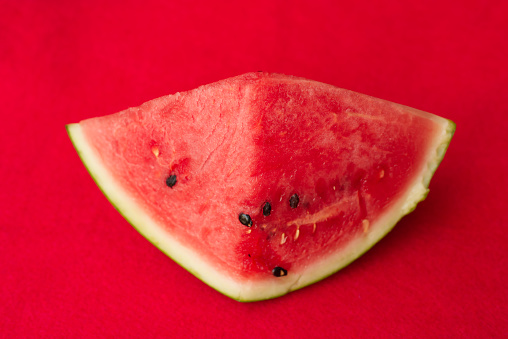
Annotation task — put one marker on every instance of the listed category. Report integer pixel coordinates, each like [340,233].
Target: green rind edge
[433,165]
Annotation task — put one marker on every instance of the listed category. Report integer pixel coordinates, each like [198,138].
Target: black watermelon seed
[267,209]
[171,180]
[245,219]
[294,200]
[279,272]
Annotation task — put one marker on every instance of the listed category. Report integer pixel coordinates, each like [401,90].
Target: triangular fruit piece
[263,183]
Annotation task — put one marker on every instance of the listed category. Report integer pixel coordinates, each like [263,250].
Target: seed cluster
[246,220]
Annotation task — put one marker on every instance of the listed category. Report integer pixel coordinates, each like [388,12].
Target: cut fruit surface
[263,183]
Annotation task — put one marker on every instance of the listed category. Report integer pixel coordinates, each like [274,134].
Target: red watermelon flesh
[264,183]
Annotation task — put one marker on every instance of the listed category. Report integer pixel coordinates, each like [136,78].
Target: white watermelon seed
[365,225]
[155,151]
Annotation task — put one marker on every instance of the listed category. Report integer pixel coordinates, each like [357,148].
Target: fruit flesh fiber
[335,154]
[243,141]
[196,135]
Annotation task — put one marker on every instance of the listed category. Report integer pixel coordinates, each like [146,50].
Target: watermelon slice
[263,183]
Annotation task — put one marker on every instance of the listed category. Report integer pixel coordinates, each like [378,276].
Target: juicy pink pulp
[239,143]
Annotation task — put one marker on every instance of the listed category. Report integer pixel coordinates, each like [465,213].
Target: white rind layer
[274,287]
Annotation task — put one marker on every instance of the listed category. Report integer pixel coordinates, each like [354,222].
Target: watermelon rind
[270,288]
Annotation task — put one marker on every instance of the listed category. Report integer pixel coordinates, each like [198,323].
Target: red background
[70,266]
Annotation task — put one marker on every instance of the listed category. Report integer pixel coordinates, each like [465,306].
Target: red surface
[72,267]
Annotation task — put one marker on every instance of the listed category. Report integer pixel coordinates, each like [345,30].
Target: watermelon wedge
[262,184]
